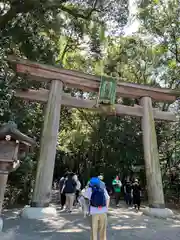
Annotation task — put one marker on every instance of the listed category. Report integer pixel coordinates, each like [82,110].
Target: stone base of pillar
[1,224]
[38,212]
[158,212]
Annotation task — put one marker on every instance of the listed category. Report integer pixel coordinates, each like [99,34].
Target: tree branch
[16,7]
[87,120]
[173,33]
[30,5]
[7,17]
[176,47]
[74,13]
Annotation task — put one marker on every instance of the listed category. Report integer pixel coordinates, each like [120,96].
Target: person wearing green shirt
[117,189]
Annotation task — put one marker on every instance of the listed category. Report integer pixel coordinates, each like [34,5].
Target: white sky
[133,23]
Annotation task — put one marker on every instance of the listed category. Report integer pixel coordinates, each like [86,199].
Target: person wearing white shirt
[78,188]
[98,214]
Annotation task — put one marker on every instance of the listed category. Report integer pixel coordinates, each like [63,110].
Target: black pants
[128,198]
[76,197]
[117,197]
[137,201]
[63,199]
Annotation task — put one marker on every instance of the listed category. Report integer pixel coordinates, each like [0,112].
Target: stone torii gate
[90,83]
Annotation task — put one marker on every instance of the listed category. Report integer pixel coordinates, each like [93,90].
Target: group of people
[69,188]
[131,190]
[95,198]
[132,193]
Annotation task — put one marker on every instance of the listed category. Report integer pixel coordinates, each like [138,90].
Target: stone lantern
[13,144]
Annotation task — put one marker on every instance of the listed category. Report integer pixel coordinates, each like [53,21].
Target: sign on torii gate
[55,98]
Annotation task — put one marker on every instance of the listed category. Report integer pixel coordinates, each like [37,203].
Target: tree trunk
[151,156]
[44,177]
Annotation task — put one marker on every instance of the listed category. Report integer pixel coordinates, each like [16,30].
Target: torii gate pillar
[43,186]
[152,165]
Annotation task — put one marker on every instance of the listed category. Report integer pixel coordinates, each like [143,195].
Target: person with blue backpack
[98,208]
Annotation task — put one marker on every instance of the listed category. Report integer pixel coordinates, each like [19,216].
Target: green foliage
[161,20]
[52,32]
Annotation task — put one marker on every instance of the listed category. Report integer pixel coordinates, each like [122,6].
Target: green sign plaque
[107,91]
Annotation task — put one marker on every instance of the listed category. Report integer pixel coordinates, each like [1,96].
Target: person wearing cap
[98,212]
[136,193]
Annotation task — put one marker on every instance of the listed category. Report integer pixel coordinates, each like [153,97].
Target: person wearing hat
[99,203]
[136,193]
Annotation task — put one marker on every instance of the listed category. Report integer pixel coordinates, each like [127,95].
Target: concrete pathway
[123,224]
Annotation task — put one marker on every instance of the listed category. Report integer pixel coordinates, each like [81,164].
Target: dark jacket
[70,185]
[136,190]
[128,187]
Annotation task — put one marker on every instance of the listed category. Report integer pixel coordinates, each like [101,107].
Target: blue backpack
[98,198]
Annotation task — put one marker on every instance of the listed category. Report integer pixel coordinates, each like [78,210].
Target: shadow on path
[123,224]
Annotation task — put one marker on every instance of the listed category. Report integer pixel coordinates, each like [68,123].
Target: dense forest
[91,36]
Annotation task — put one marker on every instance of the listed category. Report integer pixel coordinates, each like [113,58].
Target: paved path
[123,224]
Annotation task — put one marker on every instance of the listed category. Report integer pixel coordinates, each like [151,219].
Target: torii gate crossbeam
[55,98]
